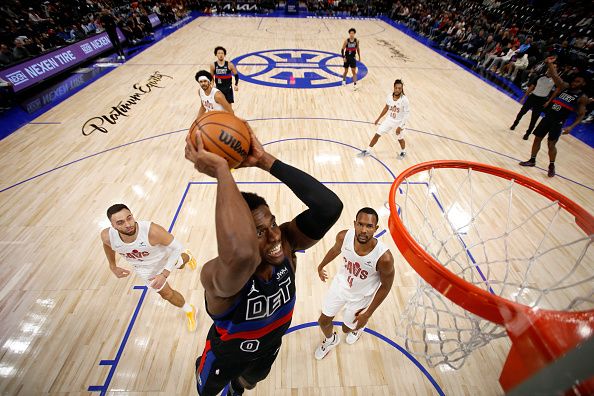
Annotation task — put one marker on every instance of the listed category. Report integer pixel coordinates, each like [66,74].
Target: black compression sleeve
[324,206]
[236,76]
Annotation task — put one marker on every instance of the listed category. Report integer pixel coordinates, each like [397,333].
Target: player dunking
[350,47]
[571,99]
[210,98]
[398,109]
[151,250]
[222,72]
[250,286]
[363,281]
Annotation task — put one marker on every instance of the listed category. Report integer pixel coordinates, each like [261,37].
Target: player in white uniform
[363,281]
[397,107]
[151,250]
[211,99]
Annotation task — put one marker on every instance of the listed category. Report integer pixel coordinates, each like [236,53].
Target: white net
[499,236]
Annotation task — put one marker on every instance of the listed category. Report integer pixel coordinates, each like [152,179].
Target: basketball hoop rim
[470,297]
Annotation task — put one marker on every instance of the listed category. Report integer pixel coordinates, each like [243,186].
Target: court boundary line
[304,138]
[387,341]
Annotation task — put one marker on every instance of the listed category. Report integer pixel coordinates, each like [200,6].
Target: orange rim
[470,297]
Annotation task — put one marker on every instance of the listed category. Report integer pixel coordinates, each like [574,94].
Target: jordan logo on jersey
[253,289]
[263,306]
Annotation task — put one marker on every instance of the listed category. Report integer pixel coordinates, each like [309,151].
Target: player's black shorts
[350,62]
[228,92]
[549,126]
[215,373]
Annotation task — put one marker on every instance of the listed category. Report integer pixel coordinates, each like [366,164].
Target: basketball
[223,134]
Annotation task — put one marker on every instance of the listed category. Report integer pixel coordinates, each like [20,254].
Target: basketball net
[499,236]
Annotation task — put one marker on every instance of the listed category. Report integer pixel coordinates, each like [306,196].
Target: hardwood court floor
[62,311]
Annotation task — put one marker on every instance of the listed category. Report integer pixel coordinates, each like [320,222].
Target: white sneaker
[343,82]
[353,336]
[402,155]
[355,87]
[364,153]
[327,346]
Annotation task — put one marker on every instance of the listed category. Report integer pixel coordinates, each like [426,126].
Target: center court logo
[294,68]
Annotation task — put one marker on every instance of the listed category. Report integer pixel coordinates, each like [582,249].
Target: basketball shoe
[354,335]
[327,345]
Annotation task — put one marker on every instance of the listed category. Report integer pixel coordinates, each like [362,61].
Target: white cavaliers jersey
[397,110]
[208,101]
[140,253]
[358,277]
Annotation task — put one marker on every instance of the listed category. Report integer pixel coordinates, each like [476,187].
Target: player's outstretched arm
[331,255]
[554,75]
[220,99]
[581,113]
[383,113]
[160,236]
[201,111]
[111,256]
[385,267]
[324,207]
[238,253]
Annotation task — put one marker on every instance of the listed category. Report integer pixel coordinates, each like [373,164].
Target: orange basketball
[223,134]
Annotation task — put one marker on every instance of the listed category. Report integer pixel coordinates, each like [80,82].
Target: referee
[535,97]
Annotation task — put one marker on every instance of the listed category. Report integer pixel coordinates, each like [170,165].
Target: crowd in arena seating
[353,8]
[509,39]
[29,28]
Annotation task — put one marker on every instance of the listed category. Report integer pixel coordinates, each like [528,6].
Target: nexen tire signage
[34,71]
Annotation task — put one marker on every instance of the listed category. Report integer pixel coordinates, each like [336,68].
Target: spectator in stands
[6,57]
[511,69]
[20,52]
[35,18]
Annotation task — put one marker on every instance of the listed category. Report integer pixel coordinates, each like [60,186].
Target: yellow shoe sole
[191,320]
[192,261]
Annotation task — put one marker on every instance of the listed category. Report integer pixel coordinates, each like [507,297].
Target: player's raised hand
[257,156]
[322,273]
[204,161]
[120,272]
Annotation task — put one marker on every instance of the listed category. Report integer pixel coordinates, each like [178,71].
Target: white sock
[369,148]
[187,308]
[331,338]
